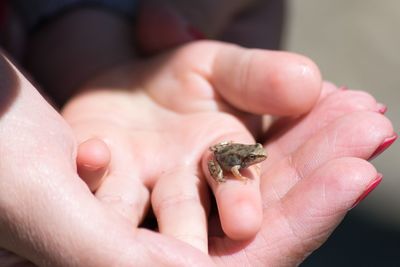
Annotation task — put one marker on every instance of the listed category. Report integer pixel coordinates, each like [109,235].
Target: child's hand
[159,118]
[316,170]
[48,215]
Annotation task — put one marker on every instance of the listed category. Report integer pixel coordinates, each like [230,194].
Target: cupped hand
[48,215]
[315,173]
[159,118]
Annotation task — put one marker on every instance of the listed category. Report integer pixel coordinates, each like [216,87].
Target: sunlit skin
[160,127]
[176,126]
[291,209]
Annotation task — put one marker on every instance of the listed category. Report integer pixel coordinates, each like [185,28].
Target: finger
[92,161]
[250,80]
[122,190]
[237,199]
[288,135]
[48,214]
[265,82]
[125,194]
[74,222]
[275,127]
[178,201]
[313,209]
[358,134]
[308,214]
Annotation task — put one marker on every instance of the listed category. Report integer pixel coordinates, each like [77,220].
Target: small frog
[229,156]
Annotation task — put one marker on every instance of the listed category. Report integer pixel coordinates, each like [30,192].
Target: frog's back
[229,156]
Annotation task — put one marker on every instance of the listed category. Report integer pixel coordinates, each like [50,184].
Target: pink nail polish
[195,33]
[381,108]
[385,144]
[369,189]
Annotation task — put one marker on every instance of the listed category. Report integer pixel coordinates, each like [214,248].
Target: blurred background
[356,43]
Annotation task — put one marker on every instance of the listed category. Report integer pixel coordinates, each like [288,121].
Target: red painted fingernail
[370,187]
[385,144]
[381,108]
[195,33]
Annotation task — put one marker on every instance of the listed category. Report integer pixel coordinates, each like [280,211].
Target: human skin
[157,141]
[48,214]
[66,52]
[293,249]
[300,199]
[173,119]
[60,76]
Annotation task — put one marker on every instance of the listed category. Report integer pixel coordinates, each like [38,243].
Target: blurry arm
[63,54]
[260,26]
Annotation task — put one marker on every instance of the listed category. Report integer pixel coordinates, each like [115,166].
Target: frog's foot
[237,174]
[216,171]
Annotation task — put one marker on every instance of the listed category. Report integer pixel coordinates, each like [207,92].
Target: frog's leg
[216,171]
[237,174]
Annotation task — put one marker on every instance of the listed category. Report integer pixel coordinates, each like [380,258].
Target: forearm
[260,26]
[64,54]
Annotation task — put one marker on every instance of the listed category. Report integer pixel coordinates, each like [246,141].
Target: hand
[316,172]
[48,215]
[159,118]
[313,159]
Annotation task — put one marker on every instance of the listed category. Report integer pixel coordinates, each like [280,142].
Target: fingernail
[369,189]
[381,108]
[195,33]
[385,144]
[92,168]
[343,88]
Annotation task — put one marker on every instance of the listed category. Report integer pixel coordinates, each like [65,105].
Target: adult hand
[48,215]
[47,253]
[316,172]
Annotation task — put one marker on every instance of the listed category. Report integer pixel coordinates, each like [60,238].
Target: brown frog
[229,156]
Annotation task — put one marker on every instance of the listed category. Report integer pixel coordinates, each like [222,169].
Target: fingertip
[266,82]
[239,202]
[240,213]
[297,80]
[92,161]
[93,154]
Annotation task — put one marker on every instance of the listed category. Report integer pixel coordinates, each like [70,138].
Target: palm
[157,143]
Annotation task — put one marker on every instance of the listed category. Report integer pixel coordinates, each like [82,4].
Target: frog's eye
[252,156]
